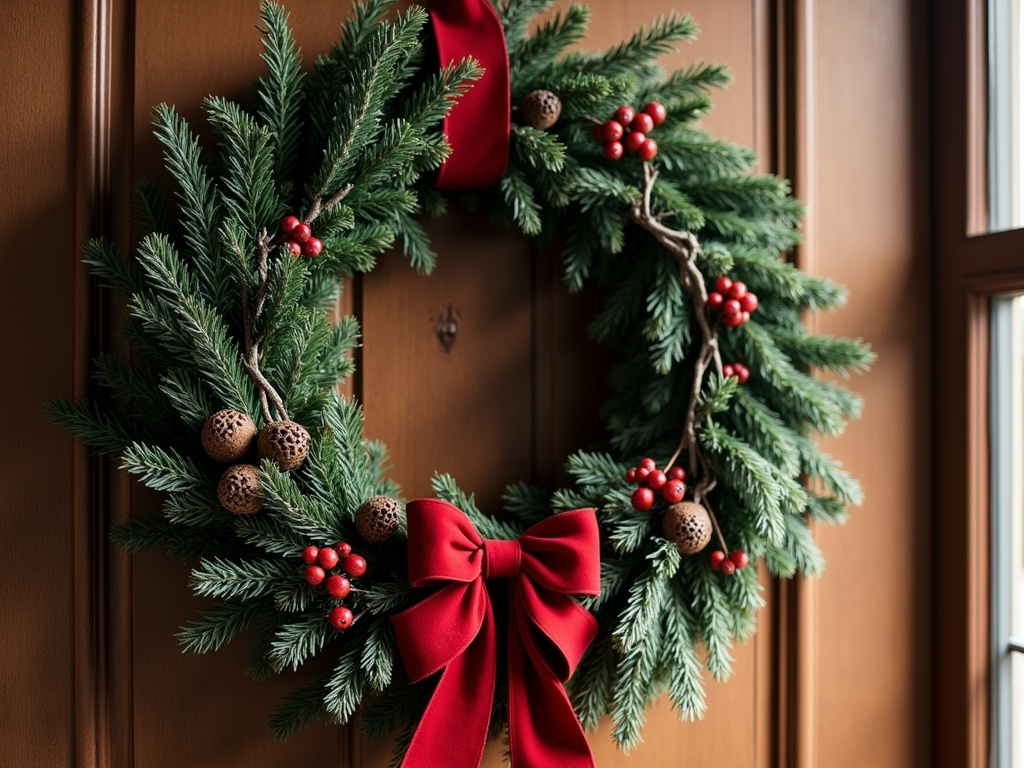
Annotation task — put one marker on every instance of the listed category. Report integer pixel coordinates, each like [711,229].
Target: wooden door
[92,674]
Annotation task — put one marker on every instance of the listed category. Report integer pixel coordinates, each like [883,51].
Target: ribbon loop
[501,558]
[479,125]
[452,631]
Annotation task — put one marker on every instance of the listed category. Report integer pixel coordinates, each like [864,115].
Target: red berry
[657,112]
[612,131]
[728,567]
[731,321]
[715,299]
[648,463]
[343,548]
[744,318]
[315,574]
[748,302]
[737,290]
[354,566]
[288,223]
[643,123]
[656,480]
[647,150]
[341,617]
[613,150]
[673,491]
[312,247]
[309,555]
[634,141]
[730,308]
[742,373]
[677,473]
[294,247]
[739,558]
[641,475]
[717,558]
[625,114]
[338,586]
[327,558]
[302,232]
[642,498]
[728,371]
[630,475]
[723,284]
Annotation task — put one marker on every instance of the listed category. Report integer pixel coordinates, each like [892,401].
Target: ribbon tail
[453,730]
[543,728]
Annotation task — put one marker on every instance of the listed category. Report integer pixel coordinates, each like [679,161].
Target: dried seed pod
[228,435]
[540,109]
[688,526]
[377,518]
[239,490]
[285,443]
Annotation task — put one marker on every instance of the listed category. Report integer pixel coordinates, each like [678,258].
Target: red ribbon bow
[454,630]
[479,125]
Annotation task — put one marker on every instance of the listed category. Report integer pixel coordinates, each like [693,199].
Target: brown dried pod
[239,490]
[540,109]
[228,435]
[377,519]
[285,443]
[688,526]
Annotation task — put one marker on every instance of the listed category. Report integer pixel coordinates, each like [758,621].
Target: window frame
[970,269]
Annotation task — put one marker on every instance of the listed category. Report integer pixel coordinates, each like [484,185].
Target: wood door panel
[39,462]
[872,607]
[467,411]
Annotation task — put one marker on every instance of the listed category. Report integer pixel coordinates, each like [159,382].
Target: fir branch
[102,429]
[297,641]
[162,470]
[239,580]
[218,627]
[280,94]
[346,685]
[301,707]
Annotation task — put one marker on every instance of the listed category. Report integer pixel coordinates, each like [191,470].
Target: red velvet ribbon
[479,124]
[453,632]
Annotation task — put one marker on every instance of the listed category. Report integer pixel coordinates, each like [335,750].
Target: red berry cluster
[319,561]
[298,238]
[739,370]
[671,485]
[733,301]
[736,560]
[628,131]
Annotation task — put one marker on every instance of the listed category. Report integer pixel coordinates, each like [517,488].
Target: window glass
[1005,125]
[1007,534]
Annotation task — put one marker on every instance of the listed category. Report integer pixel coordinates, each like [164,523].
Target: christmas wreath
[229,405]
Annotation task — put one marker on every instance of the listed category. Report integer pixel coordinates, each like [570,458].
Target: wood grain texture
[870,221]
[37,299]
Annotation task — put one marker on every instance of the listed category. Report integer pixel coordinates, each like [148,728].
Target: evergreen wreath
[227,299]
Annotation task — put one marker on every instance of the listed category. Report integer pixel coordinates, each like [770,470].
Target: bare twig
[686,249]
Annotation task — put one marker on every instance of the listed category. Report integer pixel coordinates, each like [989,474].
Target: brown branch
[685,247]
[319,206]
[267,394]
